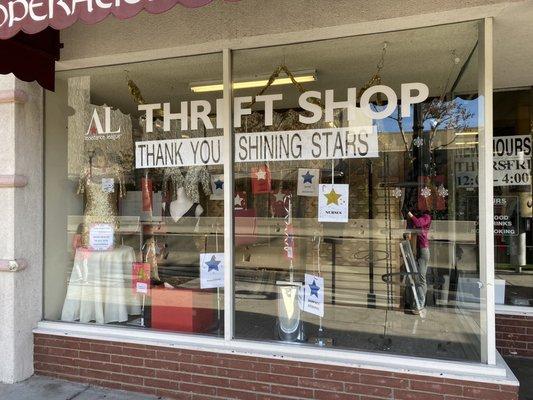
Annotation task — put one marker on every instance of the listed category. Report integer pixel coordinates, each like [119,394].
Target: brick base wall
[195,375]
[514,335]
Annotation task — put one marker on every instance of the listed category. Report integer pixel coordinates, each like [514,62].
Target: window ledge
[467,371]
[525,311]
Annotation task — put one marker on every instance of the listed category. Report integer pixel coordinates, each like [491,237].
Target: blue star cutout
[314,289]
[212,264]
[219,184]
[308,178]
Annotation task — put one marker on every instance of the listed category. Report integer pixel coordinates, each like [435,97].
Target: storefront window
[129,241]
[513,122]
[356,193]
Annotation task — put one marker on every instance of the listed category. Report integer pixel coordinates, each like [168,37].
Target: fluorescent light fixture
[299,76]
[467,143]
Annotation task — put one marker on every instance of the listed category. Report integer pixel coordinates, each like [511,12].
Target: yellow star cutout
[333,197]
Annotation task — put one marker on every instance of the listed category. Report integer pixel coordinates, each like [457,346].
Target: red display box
[183,309]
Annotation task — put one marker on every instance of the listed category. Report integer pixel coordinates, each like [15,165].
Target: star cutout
[237,201]
[261,174]
[314,289]
[308,178]
[279,196]
[219,184]
[212,264]
[333,197]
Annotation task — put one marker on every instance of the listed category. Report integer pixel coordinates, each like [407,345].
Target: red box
[184,309]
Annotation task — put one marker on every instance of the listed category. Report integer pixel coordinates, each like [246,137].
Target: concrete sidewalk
[41,387]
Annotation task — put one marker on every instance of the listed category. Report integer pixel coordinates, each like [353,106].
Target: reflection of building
[428,161]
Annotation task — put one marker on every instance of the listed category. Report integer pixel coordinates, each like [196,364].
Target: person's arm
[417,222]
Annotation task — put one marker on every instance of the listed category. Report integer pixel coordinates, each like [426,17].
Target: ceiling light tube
[300,77]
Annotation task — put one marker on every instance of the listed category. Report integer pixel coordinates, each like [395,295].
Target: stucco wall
[21,219]
[228,20]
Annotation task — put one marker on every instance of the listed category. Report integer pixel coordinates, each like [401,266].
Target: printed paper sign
[101,236]
[140,277]
[108,185]
[314,295]
[333,202]
[511,163]
[217,187]
[307,144]
[308,182]
[211,270]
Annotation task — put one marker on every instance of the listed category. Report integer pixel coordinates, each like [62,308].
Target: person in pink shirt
[422,223]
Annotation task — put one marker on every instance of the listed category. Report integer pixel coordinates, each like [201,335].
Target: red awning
[32,16]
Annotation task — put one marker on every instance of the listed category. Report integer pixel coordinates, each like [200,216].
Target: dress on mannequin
[102,185]
[183,206]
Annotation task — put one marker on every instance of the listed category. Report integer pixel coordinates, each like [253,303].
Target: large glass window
[134,220]
[513,239]
[356,193]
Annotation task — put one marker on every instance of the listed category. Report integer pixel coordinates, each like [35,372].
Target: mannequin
[183,206]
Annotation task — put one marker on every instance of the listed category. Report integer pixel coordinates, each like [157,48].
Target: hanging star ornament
[417,142]
[397,193]
[219,184]
[307,177]
[333,197]
[425,192]
[314,289]
[212,265]
[442,191]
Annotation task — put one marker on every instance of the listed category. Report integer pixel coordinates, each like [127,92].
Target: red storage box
[184,309]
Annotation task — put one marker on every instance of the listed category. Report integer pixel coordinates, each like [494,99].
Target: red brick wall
[514,335]
[195,375]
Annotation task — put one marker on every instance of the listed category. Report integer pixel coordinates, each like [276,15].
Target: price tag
[108,185]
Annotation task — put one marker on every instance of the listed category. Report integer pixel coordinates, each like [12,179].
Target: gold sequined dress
[101,206]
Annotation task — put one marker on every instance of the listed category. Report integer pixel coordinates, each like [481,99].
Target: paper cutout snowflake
[397,193]
[425,192]
[417,142]
[442,191]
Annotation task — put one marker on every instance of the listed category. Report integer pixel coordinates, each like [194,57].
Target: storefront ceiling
[414,55]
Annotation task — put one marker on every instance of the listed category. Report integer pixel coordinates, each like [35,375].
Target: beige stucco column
[21,224]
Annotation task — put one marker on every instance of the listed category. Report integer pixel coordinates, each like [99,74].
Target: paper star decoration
[308,178]
[237,201]
[314,289]
[425,192]
[333,197]
[219,184]
[442,191]
[261,174]
[279,196]
[418,141]
[397,192]
[212,264]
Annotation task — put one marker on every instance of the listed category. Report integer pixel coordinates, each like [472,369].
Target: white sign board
[308,182]
[211,270]
[314,295]
[333,202]
[101,237]
[511,165]
[310,144]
